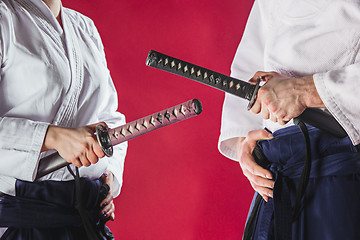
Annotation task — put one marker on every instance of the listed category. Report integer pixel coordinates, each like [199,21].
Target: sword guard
[253,97]
[103,139]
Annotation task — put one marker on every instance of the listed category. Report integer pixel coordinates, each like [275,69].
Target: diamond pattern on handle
[211,78]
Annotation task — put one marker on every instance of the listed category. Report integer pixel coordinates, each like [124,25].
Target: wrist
[311,97]
[50,138]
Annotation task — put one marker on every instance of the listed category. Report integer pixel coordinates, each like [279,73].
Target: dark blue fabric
[330,208]
[45,210]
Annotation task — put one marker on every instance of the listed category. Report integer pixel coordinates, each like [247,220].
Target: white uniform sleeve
[236,120]
[20,139]
[339,90]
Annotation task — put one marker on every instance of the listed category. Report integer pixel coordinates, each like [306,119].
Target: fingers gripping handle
[107,138]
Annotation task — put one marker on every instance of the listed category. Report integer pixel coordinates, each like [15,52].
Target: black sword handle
[312,116]
[208,77]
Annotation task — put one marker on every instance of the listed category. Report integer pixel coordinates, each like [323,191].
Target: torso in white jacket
[299,38]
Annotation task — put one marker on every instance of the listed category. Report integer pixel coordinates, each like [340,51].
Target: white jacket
[51,76]
[299,38]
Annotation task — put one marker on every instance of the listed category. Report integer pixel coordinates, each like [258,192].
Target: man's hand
[282,98]
[107,206]
[260,178]
[76,145]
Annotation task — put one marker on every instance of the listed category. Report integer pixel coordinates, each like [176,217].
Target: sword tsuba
[103,137]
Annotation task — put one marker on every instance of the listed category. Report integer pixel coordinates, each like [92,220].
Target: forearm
[55,136]
[76,145]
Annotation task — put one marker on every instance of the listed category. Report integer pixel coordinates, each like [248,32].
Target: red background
[176,184]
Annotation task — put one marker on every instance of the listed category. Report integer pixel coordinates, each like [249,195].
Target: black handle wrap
[312,116]
[211,78]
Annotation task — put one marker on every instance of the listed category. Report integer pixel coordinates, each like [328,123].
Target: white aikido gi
[51,75]
[298,38]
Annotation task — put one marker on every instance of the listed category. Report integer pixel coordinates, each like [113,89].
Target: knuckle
[252,169]
[253,110]
[259,181]
[273,107]
[256,188]
[262,91]
[93,158]
[93,161]
[256,181]
[264,133]
[101,154]
[77,163]
[266,101]
[245,173]
[250,135]
[265,115]
[281,116]
[86,163]
[84,148]
[71,160]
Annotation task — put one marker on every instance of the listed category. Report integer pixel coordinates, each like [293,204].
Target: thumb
[93,126]
[261,134]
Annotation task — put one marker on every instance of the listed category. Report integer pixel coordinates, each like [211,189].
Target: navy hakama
[330,206]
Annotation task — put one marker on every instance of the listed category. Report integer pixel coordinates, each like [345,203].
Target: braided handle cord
[180,112]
